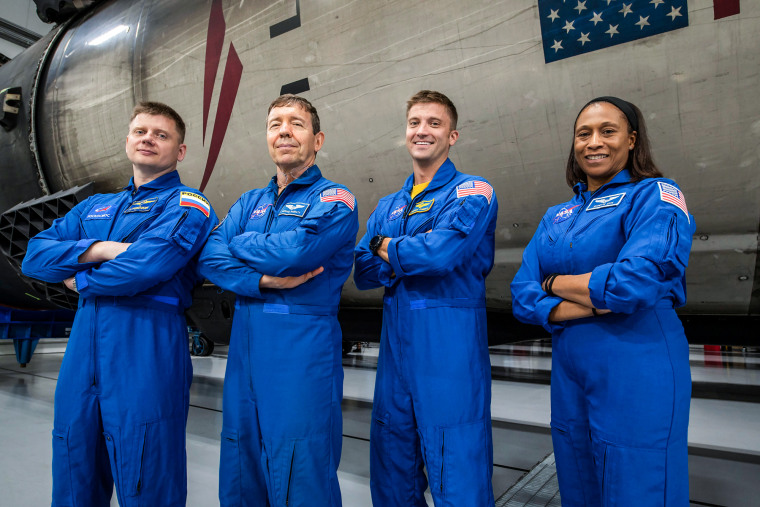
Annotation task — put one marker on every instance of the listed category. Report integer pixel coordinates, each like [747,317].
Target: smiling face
[292,143]
[429,135]
[602,142]
[153,144]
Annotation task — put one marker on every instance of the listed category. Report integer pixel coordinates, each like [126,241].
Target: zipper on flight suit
[290,475]
[443,461]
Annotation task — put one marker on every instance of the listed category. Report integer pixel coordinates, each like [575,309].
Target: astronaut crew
[122,396]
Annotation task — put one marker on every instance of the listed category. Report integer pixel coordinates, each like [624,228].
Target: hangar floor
[724,440]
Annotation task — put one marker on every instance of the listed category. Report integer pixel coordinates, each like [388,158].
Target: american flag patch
[196,201]
[338,194]
[671,194]
[475,187]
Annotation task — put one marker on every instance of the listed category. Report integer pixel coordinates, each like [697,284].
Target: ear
[319,140]
[181,153]
[453,136]
[632,140]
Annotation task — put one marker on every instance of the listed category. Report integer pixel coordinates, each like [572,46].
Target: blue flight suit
[122,396]
[282,429]
[621,385]
[433,388]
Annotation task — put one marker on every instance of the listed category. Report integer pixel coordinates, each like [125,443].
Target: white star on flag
[613,30]
[596,19]
[657,3]
[674,13]
[584,38]
[557,45]
[568,26]
[553,15]
[626,10]
[581,6]
[643,21]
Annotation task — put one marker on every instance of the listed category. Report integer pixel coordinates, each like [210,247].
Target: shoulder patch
[100,212]
[294,209]
[607,201]
[475,187]
[671,194]
[338,195]
[197,201]
[422,207]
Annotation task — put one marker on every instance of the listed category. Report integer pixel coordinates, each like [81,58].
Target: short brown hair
[640,160]
[430,96]
[289,99]
[159,109]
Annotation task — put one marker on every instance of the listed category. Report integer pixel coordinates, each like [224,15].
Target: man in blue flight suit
[285,250]
[122,396]
[431,245]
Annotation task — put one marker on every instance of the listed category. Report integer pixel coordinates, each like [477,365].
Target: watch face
[375,243]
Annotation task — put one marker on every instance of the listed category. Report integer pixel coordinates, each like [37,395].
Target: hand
[287,282]
[71,283]
[102,251]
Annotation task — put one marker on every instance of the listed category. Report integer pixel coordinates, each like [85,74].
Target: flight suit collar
[170,179]
[620,178]
[443,175]
[309,176]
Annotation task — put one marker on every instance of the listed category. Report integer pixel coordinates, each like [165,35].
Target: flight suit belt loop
[420,304]
[155,302]
[287,308]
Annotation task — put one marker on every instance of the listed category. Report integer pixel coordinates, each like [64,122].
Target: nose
[422,130]
[285,129]
[595,140]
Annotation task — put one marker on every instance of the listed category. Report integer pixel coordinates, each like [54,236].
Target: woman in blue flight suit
[603,273]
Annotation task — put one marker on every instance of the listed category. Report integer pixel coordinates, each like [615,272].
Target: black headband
[625,107]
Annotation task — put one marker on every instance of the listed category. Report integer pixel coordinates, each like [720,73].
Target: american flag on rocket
[671,194]
[338,194]
[574,27]
[475,188]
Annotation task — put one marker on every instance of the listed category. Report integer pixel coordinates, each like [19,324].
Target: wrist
[376,242]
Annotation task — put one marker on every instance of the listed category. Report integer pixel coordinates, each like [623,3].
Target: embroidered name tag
[393,215]
[607,201]
[100,213]
[422,207]
[259,212]
[295,209]
[141,206]
[564,214]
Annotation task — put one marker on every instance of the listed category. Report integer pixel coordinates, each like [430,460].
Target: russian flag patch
[197,201]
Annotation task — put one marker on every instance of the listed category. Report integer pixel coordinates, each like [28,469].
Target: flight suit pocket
[62,491]
[229,468]
[433,443]
[135,481]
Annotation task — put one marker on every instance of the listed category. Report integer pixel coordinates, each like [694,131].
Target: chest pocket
[591,220]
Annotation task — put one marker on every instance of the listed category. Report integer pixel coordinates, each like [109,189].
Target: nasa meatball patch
[259,212]
[394,214]
[564,214]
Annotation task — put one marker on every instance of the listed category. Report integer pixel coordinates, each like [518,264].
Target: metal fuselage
[221,62]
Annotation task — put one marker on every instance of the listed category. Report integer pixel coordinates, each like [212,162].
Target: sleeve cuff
[81,279]
[393,256]
[597,285]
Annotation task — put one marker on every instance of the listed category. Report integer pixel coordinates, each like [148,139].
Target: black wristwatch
[375,243]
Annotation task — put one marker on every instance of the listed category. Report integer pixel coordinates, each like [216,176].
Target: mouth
[595,157]
[422,143]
